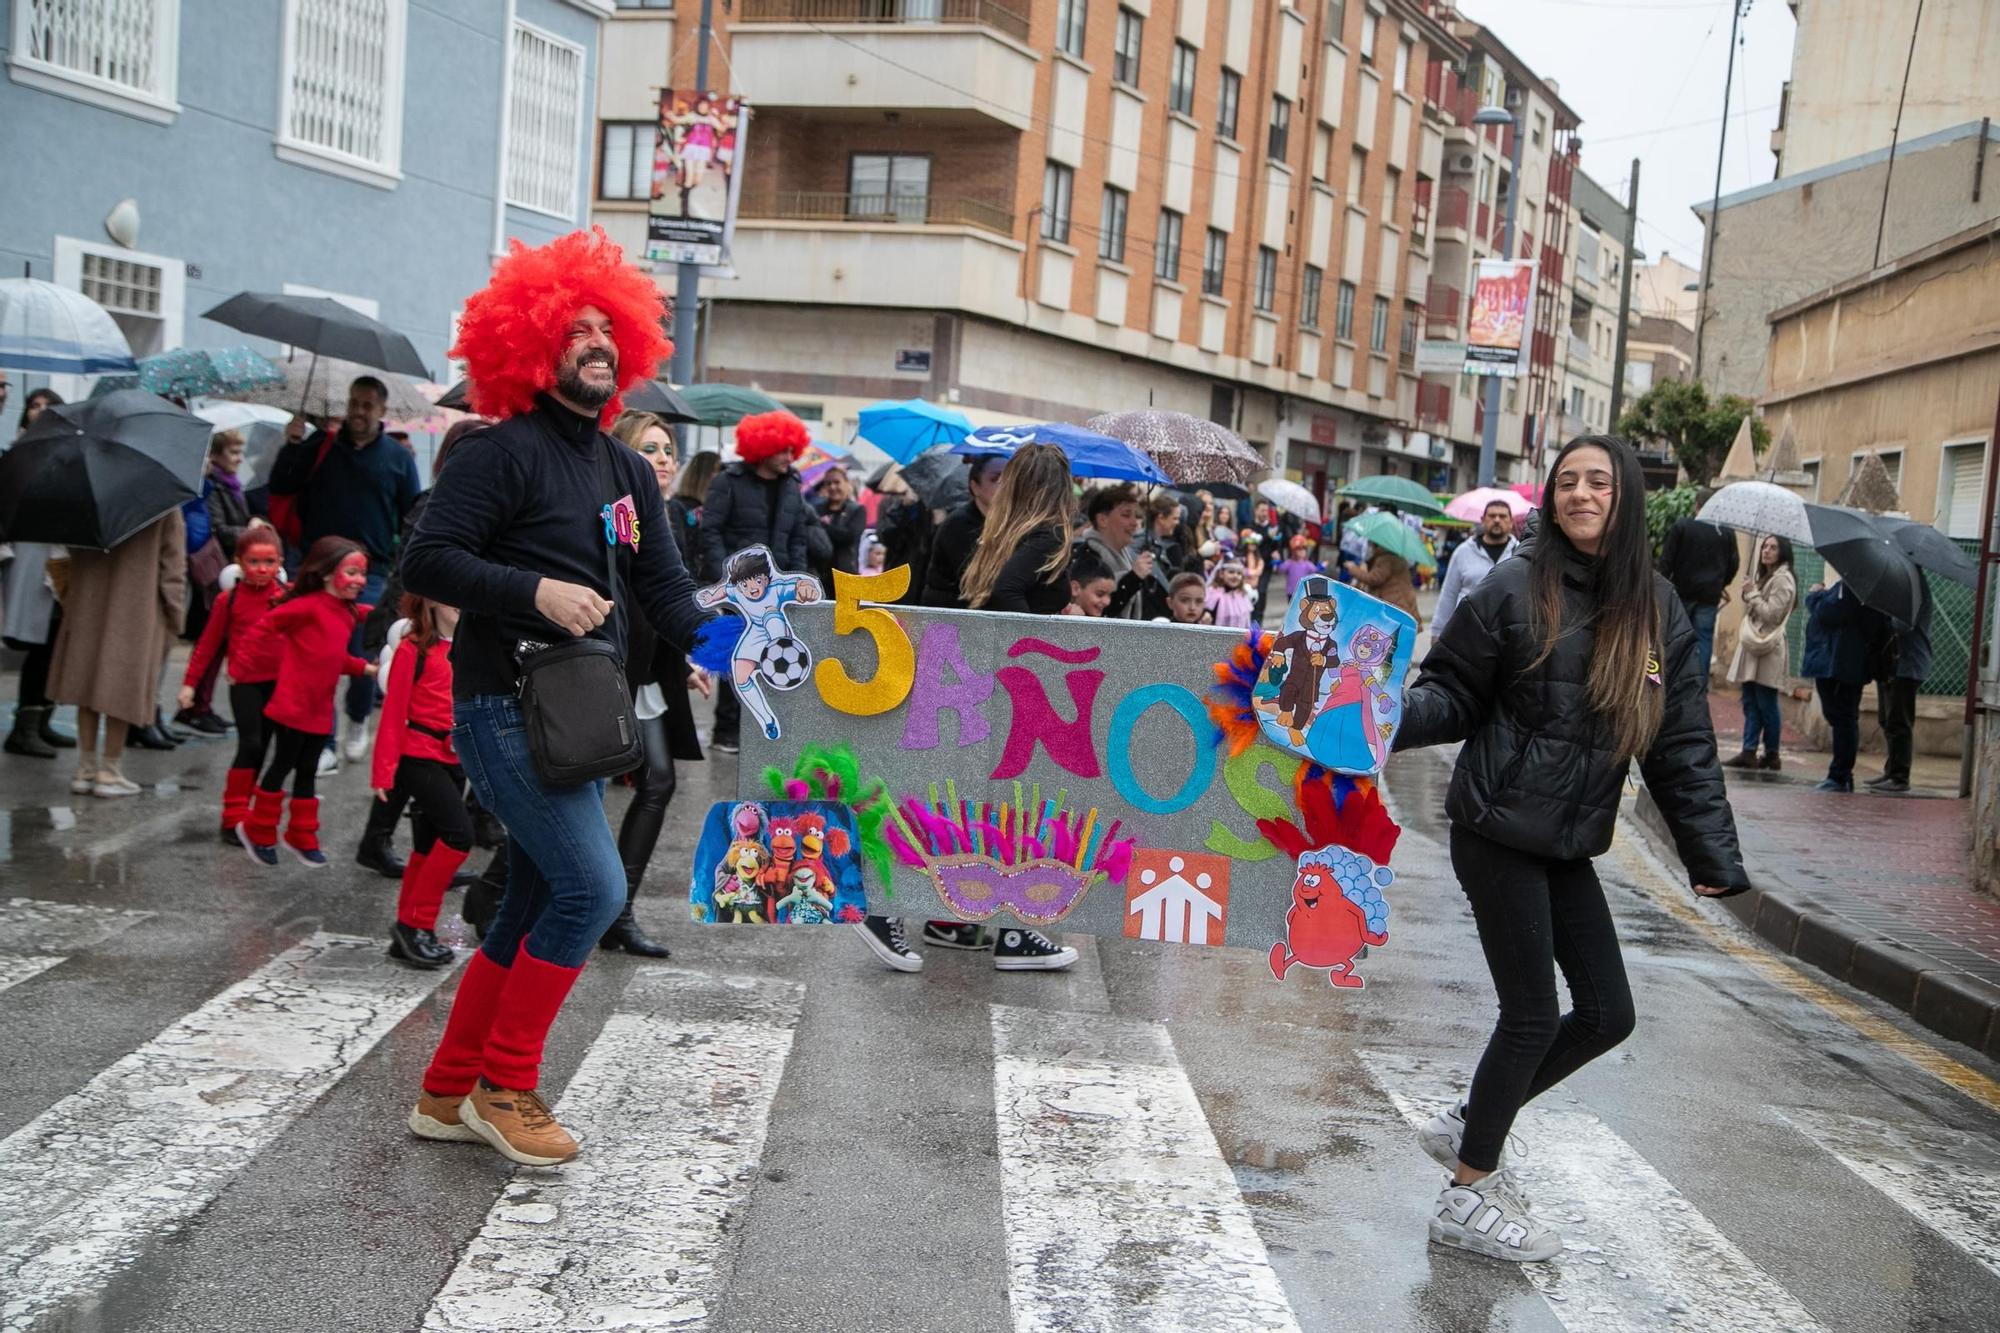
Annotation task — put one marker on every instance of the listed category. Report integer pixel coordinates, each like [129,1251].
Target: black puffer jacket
[739,512]
[1537,772]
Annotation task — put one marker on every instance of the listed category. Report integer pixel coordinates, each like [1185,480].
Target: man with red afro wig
[542,529]
[755,501]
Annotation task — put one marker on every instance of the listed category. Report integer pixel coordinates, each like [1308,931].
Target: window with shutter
[1964,479]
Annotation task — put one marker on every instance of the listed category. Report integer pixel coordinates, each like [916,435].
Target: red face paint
[260,565]
[349,578]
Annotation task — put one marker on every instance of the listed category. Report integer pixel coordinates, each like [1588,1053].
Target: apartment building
[1595,263]
[1469,225]
[1044,209]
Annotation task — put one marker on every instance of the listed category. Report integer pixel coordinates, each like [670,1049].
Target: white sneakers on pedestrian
[1443,1135]
[1491,1217]
[329,763]
[358,741]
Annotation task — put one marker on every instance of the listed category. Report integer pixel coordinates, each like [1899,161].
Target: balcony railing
[1441,306]
[1433,403]
[1579,350]
[1454,206]
[982,12]
[896,210]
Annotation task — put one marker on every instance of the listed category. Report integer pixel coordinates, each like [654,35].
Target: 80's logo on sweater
[621,523]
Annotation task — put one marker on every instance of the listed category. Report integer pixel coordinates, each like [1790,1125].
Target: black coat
[649,661]
[1538,772]
[1022,587]
[952,550]
[737,513]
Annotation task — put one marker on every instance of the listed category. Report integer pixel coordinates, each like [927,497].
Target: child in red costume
[311,625]
[252,661]
[413,750]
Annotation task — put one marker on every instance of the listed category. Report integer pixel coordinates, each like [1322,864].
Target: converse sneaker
[884,935]
[1030,951]
[518,1123]
[1444,1134]
[1491,1217]
[436,1117]
[955,935]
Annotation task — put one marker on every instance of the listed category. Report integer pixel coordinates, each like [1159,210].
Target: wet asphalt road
[1765,1153]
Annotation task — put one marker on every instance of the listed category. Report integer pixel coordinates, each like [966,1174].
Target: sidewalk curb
[1942,998]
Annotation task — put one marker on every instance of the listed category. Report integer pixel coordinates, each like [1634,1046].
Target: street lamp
[1489,434]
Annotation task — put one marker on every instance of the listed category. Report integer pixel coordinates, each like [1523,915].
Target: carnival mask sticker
[1337,912]
[1331,685]
[1029,857]
[764,650]
[777,863]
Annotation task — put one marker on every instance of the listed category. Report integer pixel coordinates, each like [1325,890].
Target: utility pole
[687,295]
[1625,296]
[1715,202]
[1489,435]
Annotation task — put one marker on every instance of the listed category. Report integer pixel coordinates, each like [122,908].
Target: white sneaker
[329,763]
[111,784]
[1491,1217]
[358,741]
[84,781]
[1443,1135]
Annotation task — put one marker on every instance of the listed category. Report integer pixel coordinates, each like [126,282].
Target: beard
[572,385]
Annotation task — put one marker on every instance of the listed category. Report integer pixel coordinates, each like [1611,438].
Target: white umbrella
[1290,497]
[240,416]
[318,387]
[55,331]
[1759,507]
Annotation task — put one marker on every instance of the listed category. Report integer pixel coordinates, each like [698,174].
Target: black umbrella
[321,326]
[938,477]
[95,472]
[1931,549]
[1868,562]
[655,396]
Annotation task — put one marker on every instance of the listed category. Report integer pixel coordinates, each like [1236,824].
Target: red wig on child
[512,333]
[768,434]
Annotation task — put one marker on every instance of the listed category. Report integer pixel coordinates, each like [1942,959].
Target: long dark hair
[1625,610]
[324,557]
[1784,557]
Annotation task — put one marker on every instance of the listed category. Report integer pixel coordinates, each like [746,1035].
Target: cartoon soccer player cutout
[766,650]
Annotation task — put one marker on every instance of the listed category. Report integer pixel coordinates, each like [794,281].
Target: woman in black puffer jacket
[1569,662]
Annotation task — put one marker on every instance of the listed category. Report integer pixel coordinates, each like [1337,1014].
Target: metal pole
[1715,203]
[1489,437]
[1895,133]
[1625,297]
[687,295]
[1987,555]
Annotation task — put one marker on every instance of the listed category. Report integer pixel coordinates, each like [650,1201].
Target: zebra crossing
[1120,1207]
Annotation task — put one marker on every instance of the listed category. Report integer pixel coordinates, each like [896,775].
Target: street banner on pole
[1501,329]
[697,179]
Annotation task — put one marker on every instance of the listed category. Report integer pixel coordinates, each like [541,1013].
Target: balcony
[1442,303]
[1433,404]
[1454,208]
[972,53]
[838,250]
[886,210]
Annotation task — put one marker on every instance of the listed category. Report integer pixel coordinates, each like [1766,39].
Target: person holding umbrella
[1843,637]
[1700,559]
[32,616]
[1896,697]
[1467,567]
[1761,663]
[1386,575]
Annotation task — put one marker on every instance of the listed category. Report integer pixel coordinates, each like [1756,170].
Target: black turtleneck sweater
[523,500]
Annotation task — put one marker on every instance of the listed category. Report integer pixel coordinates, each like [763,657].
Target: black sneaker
[1889,786]
[955,935]
[884,935]
[725,745]
[1030,951]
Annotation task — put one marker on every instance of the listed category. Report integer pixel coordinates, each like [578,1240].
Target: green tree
[1664,507]
[1680,415]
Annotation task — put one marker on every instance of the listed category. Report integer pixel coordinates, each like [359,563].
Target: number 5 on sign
[895,660]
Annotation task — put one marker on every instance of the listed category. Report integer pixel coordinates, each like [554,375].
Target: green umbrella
[1388,532]
[1401,492]
[726,404]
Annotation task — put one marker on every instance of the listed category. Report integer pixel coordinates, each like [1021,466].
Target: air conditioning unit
[1464,163]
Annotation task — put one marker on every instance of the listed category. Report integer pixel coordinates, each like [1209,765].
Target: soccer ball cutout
[785,664]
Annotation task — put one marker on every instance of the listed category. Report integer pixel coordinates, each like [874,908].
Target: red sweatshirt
[253,658]
[311,635]
[412,704]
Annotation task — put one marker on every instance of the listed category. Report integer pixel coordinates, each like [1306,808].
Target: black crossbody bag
[574,699]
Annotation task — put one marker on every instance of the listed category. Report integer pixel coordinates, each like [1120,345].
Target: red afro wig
[768,434]
[512,333]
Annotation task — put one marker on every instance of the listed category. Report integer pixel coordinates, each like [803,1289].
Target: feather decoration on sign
[1230,705]
[714,646]
[1330,817]
[833,773]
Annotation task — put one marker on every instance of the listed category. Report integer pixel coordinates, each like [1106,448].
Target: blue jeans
[1761,717]
[361,694]
[565,883]
[1704,635]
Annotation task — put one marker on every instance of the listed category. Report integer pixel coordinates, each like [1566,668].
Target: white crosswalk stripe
[1640,1257]
[1112,1185]
[35,935]
[1950,1183]
[154,1138]
[672,1100]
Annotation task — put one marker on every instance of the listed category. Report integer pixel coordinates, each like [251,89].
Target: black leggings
[1533,915]
[438,791]
[253,733]
[296,753]
[653,788]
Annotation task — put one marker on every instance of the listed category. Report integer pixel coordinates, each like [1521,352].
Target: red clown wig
[768,434]
[514,329]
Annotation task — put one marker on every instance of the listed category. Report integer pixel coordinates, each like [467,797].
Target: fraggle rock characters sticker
[1331,689]
[764,651]
[1026,856]
[777,863]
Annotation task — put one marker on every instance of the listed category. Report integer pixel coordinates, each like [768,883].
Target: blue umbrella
[1090,454]
[905,428]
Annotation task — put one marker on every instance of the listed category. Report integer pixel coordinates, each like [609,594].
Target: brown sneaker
[436,1117]
[518,1123]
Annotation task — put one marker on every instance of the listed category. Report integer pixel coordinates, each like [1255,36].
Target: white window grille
[145,295]
[544,122]
[120,54]
[342,90]
[121,286]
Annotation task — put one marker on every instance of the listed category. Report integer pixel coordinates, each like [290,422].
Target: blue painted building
[377,151]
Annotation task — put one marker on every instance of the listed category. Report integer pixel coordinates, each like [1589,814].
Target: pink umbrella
[1471,506]
[1531,491]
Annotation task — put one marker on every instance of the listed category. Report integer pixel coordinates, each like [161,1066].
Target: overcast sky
[1646,77]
